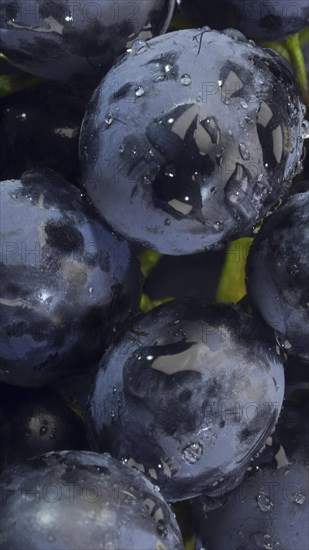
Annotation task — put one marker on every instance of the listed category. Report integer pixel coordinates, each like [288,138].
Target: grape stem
[148,260]
[232,286]
[293,46]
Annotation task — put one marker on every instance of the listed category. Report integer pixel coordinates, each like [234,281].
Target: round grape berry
[67,282]
[277,274]
[188,395]
[75,500]
[64,40]
[184,144]
[267,19]
[274,493]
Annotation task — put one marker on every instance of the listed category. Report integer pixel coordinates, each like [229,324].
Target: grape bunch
[154,268]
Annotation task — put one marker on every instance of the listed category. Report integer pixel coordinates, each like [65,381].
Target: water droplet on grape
[192,453]
[185,79]
[298,168]
[139,92]
[158,78]
[265,503]
[290,108]
[259,192]
[249,120]
[244,153]
[243,104]
[217,226]
[170,172]
[138,47]
[262,541]
[161,528]
[149,156]
[305,129]
[109,119]
[299,498]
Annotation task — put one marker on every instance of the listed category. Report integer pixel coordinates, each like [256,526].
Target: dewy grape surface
[154,275]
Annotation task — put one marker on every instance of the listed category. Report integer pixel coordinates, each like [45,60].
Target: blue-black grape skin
[258,528]
[277,273]
[270,509]
[264,19]
[63,40]
[36,422]
[188,395]
[81,500]
[184,147]
[40,128]
[67,281]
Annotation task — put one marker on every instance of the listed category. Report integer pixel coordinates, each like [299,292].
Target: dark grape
[188,395]
[77,500]
[64,40]
[67,281]
[40,128]
[270,508]
[267,19]
[184,146]
[35,422]
[277,274]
